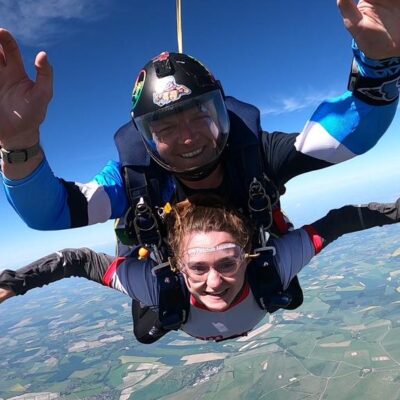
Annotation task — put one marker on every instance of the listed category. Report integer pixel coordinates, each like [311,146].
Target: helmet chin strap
[199,173]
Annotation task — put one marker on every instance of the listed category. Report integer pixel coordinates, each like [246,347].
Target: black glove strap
[375,91]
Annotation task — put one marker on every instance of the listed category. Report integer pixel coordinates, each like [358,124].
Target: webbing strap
[267,287]
[262,193]
[136,186]
[173,304]
[140,220]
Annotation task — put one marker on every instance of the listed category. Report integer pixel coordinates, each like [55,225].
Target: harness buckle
[258,198]
[145,224]
[273,191]
[263,239]
[259,204]
[159,266]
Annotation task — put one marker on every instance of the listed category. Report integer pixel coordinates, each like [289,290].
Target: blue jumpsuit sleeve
[340,129]
[46,202]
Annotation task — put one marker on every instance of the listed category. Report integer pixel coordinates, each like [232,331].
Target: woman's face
[213,268]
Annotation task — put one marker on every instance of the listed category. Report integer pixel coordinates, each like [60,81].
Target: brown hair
[205,213]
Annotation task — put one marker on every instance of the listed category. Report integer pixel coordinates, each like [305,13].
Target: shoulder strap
[130,146]
[246,160]
[267,288]
[173,310]
[147,186]
[173,299]
[249,114]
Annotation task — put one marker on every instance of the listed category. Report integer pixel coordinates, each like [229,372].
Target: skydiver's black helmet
[174,84]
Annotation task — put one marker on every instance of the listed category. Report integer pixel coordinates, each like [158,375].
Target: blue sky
[284,57]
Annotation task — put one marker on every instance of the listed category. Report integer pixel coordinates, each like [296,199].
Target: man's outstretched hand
[375,26]
[23,102]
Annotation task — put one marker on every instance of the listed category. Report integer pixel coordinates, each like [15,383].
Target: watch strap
[19,156]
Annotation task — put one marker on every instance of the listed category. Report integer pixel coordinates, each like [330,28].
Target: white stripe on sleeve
[316,142]
[99,205]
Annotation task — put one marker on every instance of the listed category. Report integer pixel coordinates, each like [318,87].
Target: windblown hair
[208,213]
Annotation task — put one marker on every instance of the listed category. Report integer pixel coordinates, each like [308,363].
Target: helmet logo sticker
[137,89]
[169,91]
[161,57]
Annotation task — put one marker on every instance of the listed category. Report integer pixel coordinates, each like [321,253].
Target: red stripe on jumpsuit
[111,271]
[316,239]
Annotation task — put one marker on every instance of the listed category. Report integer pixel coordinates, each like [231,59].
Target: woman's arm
[350,219]
[66,263]
[5,294]
[296,249]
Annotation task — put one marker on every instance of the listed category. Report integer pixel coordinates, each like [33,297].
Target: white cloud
[296,103]
[40,22]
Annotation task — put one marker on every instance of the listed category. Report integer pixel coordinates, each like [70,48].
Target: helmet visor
[188,135]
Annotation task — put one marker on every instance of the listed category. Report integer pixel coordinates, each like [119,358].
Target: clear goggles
[226,259]
[203,116]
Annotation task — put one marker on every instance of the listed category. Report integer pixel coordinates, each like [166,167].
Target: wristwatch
[19,156]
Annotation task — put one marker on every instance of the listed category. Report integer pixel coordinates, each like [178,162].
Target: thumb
[5,294]
[350,13]
[44,74]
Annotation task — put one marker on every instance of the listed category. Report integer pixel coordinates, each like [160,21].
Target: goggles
[226,259]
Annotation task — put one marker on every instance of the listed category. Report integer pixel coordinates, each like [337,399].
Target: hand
[375,26]
[5,294]
[23,102]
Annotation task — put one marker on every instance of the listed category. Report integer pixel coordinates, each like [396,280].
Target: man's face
[215,289]
[187,139]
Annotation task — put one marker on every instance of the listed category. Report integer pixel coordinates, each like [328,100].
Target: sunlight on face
[187,139]
[217,292]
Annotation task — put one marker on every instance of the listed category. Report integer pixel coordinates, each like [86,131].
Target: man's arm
[350,125]
[23,104]
[29,182]
[68,204]
[340,129]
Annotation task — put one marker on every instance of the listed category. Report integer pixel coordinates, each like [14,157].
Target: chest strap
[141,224]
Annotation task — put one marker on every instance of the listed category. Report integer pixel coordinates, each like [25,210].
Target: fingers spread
[44,75]
[3,61]
[350,13]
[10,50]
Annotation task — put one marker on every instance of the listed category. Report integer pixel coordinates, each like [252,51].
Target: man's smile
[193,153]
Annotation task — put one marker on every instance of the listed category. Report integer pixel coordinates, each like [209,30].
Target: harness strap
[266,284]
[244,152]
[136,185]
[254,166]
[173,300]
[140,223]
[146,325]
